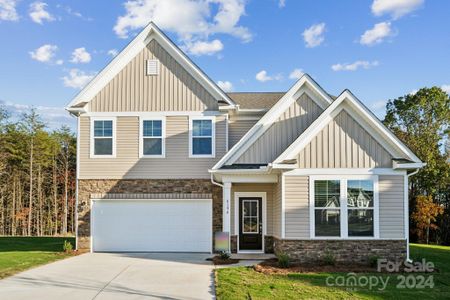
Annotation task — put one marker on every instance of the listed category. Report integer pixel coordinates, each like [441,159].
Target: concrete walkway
[115,276]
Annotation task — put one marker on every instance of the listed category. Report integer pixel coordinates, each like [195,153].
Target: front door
[250,223]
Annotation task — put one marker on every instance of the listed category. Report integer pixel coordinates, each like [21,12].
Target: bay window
[344,207]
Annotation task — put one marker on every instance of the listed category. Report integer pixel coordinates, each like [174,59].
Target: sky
[379,49]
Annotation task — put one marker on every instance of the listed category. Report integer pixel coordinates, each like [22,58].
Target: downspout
[408,259]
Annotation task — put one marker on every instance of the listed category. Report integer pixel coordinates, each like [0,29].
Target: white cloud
[45,53]
[204,48]
[282,3]
[226,86]
[73,12]
[192,21]
[39,14]
[377,34]
[313,35]
[377,105]
[395,8]
[263,76]
[8,10]
[364,64]
[77,79]
[446,88]
[80,55]
[53,116]
[413,92]
[113,52]
[296,74]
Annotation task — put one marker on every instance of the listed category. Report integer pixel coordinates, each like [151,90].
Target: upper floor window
[102,138]
[201,141]
[345,207]
[152,138]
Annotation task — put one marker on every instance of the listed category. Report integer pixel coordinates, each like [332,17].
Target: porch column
[226,221]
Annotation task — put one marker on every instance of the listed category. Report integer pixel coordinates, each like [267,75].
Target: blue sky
[379,49]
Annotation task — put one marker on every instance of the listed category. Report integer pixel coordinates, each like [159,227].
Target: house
[166,159]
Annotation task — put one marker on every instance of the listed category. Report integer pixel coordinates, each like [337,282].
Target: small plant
[373,261]
[329,258]
[67,247]
[283,260]
[224,255]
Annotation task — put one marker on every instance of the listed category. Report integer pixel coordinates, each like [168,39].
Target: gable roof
[150,32]
[256,100]
[362,115]
[304,85]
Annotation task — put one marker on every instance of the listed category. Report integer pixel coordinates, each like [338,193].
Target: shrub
[224,255]
[329,258]
[373,261]
[67,247]
[283,260]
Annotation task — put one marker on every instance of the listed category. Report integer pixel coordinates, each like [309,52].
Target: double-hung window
[152,142]
[344,207]
[102,138]
[201,140]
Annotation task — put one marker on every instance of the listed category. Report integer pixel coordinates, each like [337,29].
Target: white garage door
[152,225]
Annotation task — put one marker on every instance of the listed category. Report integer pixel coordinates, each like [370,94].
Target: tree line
[38,169]
[37,177]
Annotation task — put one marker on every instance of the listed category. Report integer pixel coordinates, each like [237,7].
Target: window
[152,138]
[345,208]
[202,137]
[250,216]
[102,141]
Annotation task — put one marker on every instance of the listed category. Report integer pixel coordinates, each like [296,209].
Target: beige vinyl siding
[277,208]
[174,89]
[254,187]
[127,163]
[344,143]
[237,129]
[296,206]
[391,203]
[283,132]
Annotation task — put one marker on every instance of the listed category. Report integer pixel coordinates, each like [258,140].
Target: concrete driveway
[116,276]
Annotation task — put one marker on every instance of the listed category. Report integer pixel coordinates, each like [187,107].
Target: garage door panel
[152,225]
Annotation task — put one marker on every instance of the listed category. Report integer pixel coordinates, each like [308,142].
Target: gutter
[408,259]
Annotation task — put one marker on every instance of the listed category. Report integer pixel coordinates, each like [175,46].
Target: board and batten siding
[296,197]
[173,89]
[391,207]
[283,132]
[254,187]
[344,143]
[277,190]
[237,129]
[391,198]
[128,165]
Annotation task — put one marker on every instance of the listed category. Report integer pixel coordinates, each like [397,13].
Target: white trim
[76,181]
[150,32]
[213,137]
[263,196]
[397,165]
[148,200]
[150,114]
[360,113]
[272,178]
[344,172]
[406,213]
[343,179]
[227,120]
[163,137]
[300,87]
[91,138]
[283,206]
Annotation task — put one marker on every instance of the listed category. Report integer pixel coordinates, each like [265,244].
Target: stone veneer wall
[86,187]
[345,251]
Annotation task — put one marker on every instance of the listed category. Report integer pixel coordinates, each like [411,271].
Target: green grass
[245,283]
[20,253]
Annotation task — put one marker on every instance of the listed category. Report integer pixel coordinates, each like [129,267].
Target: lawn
[245,283]
[20,253]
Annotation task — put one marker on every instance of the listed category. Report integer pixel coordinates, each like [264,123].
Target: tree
[422,122]
[425,216]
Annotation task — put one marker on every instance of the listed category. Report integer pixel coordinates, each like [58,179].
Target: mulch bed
[217,260]
[270,266]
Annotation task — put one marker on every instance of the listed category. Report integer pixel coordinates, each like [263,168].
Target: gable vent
[152,67]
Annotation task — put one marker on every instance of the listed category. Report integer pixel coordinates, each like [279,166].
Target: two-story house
[166,159]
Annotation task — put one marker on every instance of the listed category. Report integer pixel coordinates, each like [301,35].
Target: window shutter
[152,67]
